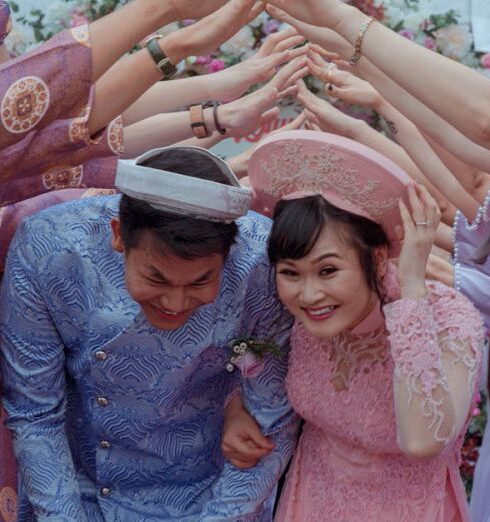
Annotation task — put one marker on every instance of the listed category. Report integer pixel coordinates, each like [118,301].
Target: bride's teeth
[323,310]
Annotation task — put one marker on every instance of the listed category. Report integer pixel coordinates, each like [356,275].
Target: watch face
[167,68]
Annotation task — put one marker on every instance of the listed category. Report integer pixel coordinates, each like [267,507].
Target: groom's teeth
[326,310]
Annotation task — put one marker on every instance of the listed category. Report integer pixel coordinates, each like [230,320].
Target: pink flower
[430,43]
[203,60]
[215,65]
[407,33]
[78,18]
[271,26]
[475,412]
[485,61]
[249,365]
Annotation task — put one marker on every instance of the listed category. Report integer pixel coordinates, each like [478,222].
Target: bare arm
[425,119]
[130,77]
[406,62]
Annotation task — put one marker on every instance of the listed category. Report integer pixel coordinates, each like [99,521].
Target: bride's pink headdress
[351,176]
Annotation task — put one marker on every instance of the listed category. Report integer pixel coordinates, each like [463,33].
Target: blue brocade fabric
[133,435]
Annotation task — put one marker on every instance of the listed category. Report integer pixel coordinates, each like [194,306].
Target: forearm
[160,131]
[475,181]
[170,96]
[436,348]
[423,117]
[410,138]
[247,495]
[205,143]
[127,26]
[444,80]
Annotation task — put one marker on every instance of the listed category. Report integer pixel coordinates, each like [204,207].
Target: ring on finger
[422,223]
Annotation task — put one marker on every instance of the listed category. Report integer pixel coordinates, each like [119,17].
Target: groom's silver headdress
[181,194]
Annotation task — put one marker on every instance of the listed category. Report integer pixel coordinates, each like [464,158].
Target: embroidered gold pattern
[24,104]
[63,178]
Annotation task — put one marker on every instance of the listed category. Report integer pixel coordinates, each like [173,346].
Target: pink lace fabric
[417,361]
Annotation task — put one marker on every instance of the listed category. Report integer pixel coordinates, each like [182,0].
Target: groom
[118,316]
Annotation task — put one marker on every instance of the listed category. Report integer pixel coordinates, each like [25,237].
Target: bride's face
[327,290]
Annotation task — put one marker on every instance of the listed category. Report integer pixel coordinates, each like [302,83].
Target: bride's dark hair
[298,223]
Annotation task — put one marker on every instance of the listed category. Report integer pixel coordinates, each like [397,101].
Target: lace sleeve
[436,347]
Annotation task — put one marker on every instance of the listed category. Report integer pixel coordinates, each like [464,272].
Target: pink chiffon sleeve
[436,345]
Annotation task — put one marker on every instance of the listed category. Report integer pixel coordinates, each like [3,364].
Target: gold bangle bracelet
[354,60]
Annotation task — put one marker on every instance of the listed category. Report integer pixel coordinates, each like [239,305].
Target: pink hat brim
[351,176]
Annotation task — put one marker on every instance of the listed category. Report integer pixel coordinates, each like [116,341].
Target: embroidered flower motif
[292,168]
[8,504]
[247,355]
[63,178]
[115,136]
[24,104]
[78,130]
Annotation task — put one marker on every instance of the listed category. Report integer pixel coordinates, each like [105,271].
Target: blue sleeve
[248,495]
[33,381]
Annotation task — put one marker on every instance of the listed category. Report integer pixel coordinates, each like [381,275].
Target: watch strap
[164,65]
[198,126]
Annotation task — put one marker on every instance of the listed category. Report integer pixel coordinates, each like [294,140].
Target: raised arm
[436,339]
[444,80]
[138,72]
[237,118]
[427,120]
[225,85]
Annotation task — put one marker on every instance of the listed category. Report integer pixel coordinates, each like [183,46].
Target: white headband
[184,195]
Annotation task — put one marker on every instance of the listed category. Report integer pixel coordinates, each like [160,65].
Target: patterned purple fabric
[4,20]
[45,101]
[46,97]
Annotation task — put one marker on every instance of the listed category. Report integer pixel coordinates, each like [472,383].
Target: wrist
[161,12]
[415,289]
[173,48]
[209,120]
[346,21]
[355,128]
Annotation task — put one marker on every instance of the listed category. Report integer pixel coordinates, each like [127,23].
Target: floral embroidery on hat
[24,104]
[291,168]
[63,178]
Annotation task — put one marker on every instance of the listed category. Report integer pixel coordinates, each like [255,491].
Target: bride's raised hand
[419,231]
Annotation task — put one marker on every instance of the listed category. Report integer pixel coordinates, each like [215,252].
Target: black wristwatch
[164,65]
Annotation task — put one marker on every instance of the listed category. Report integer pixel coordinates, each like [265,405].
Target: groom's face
[170,289]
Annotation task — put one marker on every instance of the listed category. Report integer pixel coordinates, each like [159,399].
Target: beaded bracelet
[220,129]
[354,60]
